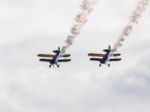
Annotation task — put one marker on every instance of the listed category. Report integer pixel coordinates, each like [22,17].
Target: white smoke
[137,13]
[80,21]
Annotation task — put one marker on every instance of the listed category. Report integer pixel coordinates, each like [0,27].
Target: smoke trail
[137,13]
[80,21]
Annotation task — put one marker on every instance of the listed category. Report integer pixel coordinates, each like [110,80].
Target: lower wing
[45,60]
[64,60]
[96,59]
[115,59]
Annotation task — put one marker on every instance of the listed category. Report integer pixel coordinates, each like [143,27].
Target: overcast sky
[29,27]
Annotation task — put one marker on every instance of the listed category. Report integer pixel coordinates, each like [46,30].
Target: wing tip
[38,55]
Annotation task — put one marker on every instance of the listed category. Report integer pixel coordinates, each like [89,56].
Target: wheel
[109,65]
[58,66]
[99,65]
[49,66]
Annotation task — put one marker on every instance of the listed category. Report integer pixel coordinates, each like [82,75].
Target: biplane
[55,58]
[106,57]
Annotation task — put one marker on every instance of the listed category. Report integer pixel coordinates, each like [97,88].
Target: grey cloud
[134,81]
[31,27]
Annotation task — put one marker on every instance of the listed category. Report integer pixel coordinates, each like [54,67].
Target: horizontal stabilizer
[64,60]
[45,55]
[106,50]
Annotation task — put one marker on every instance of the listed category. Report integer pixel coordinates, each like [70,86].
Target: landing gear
[57,66]
[100,65]
[109,65]
[49,66]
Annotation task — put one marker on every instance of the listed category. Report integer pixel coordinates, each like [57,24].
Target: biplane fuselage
[54,59]
[106,57]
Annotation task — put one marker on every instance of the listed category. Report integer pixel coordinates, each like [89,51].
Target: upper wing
[95,54]
[115,59]
[45,60]
[66,55]
[116,54]
[45,55]
[64,60]
[96,59]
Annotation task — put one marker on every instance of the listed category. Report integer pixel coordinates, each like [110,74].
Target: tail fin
[109,47]
[59,49]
